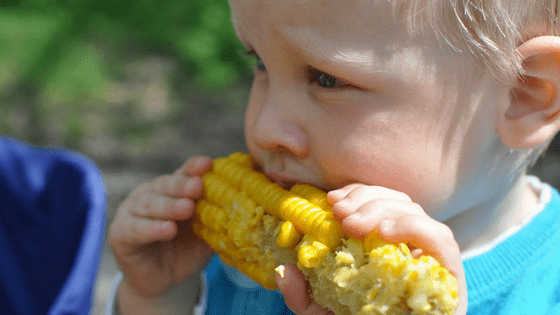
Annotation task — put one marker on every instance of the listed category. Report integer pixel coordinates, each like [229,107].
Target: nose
[275,123]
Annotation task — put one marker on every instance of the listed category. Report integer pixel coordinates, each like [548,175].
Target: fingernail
[201,161]
[334,194]
[280,271]
[165,225]
[342,203]
[181,205]
[356,216]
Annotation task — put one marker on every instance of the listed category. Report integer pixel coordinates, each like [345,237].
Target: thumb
[295,290]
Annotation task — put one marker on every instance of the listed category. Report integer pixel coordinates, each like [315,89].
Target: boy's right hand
[362,209]
[151,235]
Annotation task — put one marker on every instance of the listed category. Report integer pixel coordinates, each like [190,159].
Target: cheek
[392,159]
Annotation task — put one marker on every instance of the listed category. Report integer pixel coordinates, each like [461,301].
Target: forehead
[339,21]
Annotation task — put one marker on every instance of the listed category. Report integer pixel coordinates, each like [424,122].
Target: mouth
[284,181]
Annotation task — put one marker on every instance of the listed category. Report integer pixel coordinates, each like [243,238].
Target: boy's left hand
[361,209]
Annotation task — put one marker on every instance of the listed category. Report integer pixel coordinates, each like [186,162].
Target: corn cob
[256,225]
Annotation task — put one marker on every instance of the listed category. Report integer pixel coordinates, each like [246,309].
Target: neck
[484,223]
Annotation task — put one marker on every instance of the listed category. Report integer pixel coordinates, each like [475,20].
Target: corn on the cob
[256,225]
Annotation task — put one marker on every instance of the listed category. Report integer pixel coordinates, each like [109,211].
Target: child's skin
[401,130]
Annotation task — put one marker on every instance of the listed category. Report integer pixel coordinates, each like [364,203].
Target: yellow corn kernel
[312,256]
[217,242]
[266,193]
[221,192]
[313,194]
[310,219]
[242,159]
[256,225]
[280,270]
[373,240]
[288,237]
[276,201]
[211,215]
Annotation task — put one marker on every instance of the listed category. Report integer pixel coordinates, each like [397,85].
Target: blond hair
[490,30]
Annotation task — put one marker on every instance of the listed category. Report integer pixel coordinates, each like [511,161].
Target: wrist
[180,299]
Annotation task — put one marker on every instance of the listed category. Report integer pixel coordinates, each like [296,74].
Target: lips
[282,180]
[284,171]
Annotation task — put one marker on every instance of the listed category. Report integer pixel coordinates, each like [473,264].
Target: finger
[141,231]
[368,216]
[295,290]
[335,196]
[381,192]
[433,238]
[195,166]
[356,195]
[155,206]
[178,185]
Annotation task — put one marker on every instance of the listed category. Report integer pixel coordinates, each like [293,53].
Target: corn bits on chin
[256,225]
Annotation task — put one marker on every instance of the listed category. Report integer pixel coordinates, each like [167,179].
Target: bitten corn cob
[256,225]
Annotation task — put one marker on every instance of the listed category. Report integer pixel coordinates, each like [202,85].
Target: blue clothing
[521,275]
[52,217]
[226,297]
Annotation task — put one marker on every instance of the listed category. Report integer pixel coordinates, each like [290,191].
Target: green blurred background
[139,86]
[123,81]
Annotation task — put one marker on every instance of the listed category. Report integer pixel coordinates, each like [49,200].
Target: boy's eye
[326,81]
[323,79]
[260,64]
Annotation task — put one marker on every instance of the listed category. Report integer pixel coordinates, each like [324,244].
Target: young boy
[420,119]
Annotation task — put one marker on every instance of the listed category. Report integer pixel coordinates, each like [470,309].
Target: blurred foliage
[60,61]
[197,31]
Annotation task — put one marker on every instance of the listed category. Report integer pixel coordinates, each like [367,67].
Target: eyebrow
[317,50]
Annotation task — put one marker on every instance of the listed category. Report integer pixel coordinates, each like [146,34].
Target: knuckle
[348,189]
[375,205]
[363,189]
[417,208]
[406,197]
[355,192]
[448,234]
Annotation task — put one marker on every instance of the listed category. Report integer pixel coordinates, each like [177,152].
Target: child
[419,117]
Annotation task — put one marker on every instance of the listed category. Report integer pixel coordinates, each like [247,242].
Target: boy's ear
[533,114]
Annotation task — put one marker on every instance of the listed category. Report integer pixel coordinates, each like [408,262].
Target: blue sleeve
[224,297]
[52,216]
